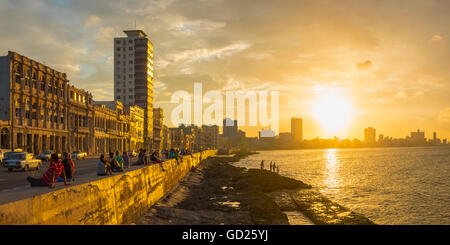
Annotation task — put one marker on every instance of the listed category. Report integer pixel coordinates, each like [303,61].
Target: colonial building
[177,138]
[192,137]
[209,137]
[44,116]
[136,125]
[80,123]
[117,127]
[158,123]
[166,140]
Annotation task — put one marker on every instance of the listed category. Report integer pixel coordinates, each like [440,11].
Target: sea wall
[119,199]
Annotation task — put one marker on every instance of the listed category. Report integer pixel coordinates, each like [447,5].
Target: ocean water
[408,186]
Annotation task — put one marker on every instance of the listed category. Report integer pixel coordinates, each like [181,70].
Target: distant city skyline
[367,64]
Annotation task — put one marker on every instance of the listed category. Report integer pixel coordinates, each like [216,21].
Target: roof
[135,33]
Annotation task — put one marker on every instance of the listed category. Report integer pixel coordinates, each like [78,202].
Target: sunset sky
[388,62]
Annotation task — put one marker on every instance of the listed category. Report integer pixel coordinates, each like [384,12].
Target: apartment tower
[133,76]
[296,129]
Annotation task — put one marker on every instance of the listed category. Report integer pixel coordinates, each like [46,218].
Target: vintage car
[45,156]
[132,154]
[79,155]
[21,160]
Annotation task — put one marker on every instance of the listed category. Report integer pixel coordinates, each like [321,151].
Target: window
[71,94]
[130,62]
[118,97]
[130,76]
[117,49]
[118,41]
[130,41]
[130,48]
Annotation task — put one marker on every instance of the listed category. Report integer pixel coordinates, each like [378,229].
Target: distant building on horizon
[418,137]
[296,129]
[230,128]
[370,135]
[267,133]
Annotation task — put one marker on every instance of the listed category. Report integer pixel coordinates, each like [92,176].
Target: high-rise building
[297,129]
[230,128]
[133,75]
[418,137]
[370,135]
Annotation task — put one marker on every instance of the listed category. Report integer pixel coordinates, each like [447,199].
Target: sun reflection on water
[331,176]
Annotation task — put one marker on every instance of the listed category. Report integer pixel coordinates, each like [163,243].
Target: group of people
[114,163]
[273,166]
[64,170]
[57,171]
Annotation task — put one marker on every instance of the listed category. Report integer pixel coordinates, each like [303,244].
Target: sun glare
[333,112]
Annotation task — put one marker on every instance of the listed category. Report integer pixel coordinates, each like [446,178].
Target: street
[18,178]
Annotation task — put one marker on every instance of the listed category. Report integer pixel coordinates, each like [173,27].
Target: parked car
[79,155]
[45,156]
[21,160]
[132,154]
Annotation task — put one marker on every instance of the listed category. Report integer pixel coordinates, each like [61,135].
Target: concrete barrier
[119,199]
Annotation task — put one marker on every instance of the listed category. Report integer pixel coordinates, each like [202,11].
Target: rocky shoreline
[218,193]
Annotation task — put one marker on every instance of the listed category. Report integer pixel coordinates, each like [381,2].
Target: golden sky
[387,60]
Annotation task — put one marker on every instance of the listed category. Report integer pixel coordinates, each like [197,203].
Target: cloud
[364,65]
[204,54]
[435,38]
[93,20]
[444,116]
[238,44]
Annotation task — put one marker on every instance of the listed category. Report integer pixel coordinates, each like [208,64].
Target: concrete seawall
[119,199]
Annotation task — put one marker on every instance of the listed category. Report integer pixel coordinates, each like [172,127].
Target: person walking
[278,169]
[274,166]
[126,160]
[262,164]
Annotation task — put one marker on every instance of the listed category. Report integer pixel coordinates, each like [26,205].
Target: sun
[333,112]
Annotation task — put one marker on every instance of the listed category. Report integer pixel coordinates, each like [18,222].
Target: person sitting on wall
[103,166]
[69,168]
[155,158]
[140,159]
[172,153]
[53,172]
[119,160]
[126,160]
[115,167]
